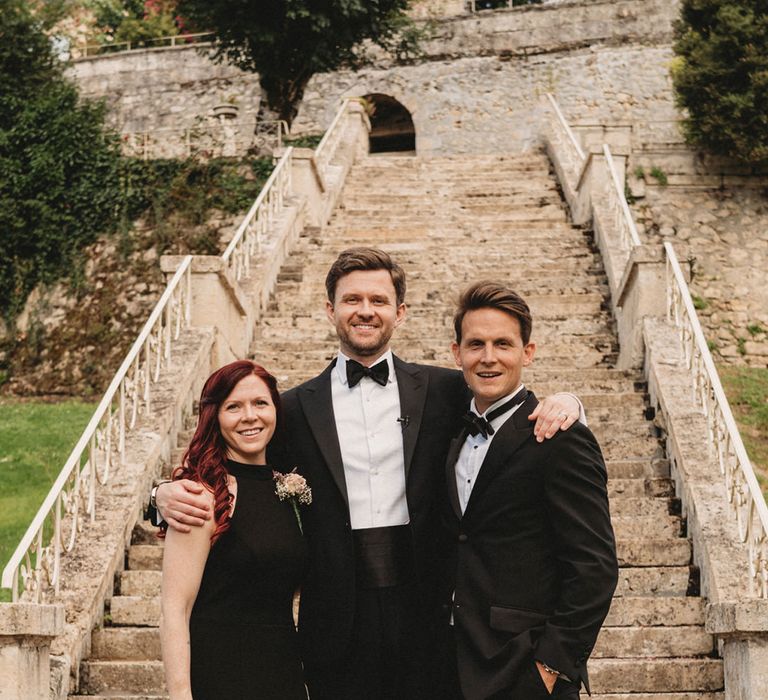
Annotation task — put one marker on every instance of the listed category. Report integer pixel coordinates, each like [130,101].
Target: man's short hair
[355,259]
[492,295]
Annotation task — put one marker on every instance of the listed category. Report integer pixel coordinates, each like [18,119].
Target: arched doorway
[391,125]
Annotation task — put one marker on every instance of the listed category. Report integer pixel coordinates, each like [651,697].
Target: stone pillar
[307,180]
[641,293]
[742,631]
[26,631]
[217,301]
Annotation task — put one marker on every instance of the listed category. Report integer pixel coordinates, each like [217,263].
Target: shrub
[721,76]
[59,167]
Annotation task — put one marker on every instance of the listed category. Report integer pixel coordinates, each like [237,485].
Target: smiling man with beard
[370,434]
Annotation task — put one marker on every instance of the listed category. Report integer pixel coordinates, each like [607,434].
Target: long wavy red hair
[205,460]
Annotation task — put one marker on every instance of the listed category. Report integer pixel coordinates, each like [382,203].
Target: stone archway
[391,125]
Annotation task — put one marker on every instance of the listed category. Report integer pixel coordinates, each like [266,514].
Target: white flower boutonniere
[293,487]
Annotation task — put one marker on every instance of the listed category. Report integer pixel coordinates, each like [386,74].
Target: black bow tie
[477,425]
[355,372]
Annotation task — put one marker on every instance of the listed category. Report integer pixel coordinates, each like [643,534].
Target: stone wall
[162,88]
[484,104]
[478,90]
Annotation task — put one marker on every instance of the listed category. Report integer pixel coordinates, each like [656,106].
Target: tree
[721,76]
[59,168]
[288,41]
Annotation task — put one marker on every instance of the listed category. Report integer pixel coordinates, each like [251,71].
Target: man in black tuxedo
[533,566]
[371,434]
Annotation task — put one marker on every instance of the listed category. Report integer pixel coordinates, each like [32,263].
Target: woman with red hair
[227,627]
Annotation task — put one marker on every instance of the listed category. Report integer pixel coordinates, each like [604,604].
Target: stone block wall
[172,88]
[478,90]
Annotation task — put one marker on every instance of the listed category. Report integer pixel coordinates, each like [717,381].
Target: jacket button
[463,537]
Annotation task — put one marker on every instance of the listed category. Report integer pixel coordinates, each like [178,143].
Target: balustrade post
[217,300]
[26,632]
[741,629]
[641,293]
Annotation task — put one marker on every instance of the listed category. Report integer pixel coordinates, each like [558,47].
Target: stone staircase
[450,221]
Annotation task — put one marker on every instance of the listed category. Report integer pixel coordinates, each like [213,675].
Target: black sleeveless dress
[243,642]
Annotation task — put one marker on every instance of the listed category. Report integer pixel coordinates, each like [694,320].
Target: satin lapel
[450,472]
[412,383]
[506,442]
[317,404]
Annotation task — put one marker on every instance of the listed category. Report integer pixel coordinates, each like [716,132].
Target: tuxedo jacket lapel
[450,471]
[317,403]
[412,383]
[506,442]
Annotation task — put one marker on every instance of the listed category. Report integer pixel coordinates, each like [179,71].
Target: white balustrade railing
[568,147]
[744,494]
[619,207]
[326,149]
[34,569]
[84,51]
[255,229]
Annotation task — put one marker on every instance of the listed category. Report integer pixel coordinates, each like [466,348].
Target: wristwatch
[153,496]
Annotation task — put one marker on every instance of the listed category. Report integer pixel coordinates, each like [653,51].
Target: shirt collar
[341,366]
[504,399]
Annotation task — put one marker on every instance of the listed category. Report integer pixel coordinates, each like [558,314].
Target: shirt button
[475,447]
[463,537]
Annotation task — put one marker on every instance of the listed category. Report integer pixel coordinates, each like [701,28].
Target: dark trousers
[389,655]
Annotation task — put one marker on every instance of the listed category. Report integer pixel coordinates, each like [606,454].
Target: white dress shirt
[475,448]
[371,442]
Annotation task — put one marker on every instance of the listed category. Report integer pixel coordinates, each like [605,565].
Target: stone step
[135,610]
[119,696]
[108,677]
[140,583]
[651,526]
[667,552]
[638,642]
[638,487]
[145,557]
[655,675]
[126,643]
[653,581]
[659,696]
[660,611]
[614,675]
[143,643]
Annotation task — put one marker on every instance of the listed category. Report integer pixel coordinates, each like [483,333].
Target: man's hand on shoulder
[556,412]
[183,504]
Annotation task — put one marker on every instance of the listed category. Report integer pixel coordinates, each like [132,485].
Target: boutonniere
[293,487]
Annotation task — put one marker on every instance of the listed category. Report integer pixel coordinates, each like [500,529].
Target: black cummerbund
[384,556]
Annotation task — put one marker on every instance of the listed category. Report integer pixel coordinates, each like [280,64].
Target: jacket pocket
[515,620]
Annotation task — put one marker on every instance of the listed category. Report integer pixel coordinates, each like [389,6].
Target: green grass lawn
[35,440]
[747,390]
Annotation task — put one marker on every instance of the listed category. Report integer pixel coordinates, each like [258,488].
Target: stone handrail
[260,219]
[101,448]
[745,497]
